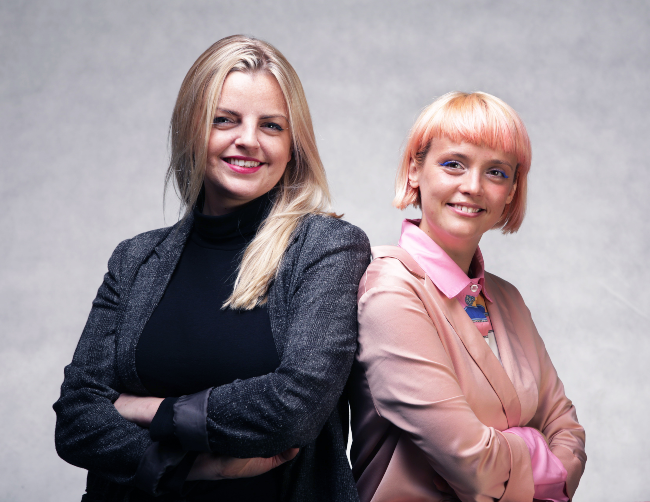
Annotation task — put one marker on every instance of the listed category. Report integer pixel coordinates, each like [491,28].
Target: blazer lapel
[513,357]
[146,285]
[480,352]
[498,376]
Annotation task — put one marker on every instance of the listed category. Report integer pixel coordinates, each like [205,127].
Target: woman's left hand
[137,409]
[209,466]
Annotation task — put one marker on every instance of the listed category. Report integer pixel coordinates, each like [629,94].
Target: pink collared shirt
[449,278]
[549,474]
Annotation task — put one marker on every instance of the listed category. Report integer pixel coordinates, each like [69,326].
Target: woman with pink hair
[453,394]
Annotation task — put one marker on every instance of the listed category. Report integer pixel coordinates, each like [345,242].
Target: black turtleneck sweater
[190,344]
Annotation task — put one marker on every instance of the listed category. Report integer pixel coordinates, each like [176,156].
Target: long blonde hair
[303,188]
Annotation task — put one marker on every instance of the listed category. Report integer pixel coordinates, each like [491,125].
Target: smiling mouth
[242,163]
[466,209]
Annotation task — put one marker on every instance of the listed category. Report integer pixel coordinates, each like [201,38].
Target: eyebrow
[263,117]
[278,116]
[464,157]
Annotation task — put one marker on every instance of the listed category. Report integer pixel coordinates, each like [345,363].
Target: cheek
[432,200]
[502,196]
[218,142]
[276,150]
[437,188]
[214,147]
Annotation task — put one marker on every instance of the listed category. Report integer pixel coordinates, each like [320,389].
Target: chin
[245,191]
[460,234]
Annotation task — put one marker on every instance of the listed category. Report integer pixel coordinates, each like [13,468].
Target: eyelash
[500,173]
[273,125]
[226,120]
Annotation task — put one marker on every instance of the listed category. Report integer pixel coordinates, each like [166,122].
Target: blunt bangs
[478,118]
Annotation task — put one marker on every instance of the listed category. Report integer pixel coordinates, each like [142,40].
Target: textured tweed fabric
[312,307]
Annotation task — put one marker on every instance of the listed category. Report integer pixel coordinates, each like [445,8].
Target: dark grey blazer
[312,308]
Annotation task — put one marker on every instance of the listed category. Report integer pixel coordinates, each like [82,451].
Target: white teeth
[243,163]
[466,209]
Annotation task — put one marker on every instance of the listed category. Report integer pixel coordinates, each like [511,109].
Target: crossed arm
[398,340]
[262,419]
[207,466]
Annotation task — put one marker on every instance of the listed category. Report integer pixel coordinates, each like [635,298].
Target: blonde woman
[217,350]
[453,394]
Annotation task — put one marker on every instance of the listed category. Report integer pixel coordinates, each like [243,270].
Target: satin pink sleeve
[414,386]
[549,475]
[556,418]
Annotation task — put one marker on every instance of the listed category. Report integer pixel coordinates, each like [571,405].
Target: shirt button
[473,288]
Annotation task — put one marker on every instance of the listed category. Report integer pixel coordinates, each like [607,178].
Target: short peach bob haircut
[477,118]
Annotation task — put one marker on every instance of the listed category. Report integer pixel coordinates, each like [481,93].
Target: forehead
[252,92]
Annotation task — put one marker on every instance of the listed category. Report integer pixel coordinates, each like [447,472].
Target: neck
[216,209]
[213,207]
[462,259]
[214,204]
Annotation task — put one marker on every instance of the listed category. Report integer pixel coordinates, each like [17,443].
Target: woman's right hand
[209,466]
[549,475]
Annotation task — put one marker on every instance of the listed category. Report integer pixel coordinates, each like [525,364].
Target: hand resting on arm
[549,475]
[138,409]
[207,466]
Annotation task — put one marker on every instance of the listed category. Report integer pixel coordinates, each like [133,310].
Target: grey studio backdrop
[87,90]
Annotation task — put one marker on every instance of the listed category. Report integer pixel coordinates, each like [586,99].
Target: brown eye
[499,173]
[274,126]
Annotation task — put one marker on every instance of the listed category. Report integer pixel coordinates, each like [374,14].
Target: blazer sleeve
[265,415]
[414,386]
[90,433]
[556,418]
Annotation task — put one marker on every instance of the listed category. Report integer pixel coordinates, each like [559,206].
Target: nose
[472,183]
[247,137]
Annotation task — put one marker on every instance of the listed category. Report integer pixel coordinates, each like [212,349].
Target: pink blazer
[429,398]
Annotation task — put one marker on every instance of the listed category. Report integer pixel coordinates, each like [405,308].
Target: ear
[511,195]
[413,174]
[290,154]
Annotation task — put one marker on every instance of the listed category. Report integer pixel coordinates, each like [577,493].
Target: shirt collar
[441,269]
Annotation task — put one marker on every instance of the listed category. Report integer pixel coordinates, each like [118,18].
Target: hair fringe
[478,118]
